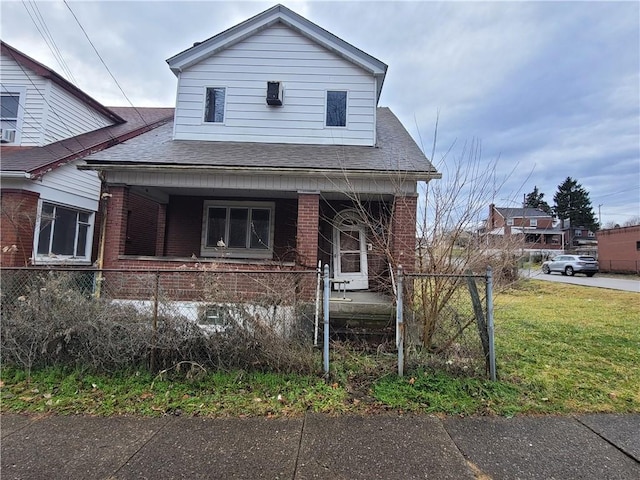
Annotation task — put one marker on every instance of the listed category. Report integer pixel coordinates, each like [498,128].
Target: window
[214,105]
[510,221]
[577,233]
[638,246]
[336,109]
[238,229]
[11,100]
[64,233]
[591,234]
[533,222]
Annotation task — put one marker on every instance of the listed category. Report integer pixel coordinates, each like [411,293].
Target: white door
[350,253]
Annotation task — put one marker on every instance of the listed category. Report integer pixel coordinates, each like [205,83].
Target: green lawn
[560,349]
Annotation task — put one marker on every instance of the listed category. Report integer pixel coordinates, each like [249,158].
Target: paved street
[321,447]
[629,285]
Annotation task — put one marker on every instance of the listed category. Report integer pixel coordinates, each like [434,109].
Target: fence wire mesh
[446,323]
[114,319]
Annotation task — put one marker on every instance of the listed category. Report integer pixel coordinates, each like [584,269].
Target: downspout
[104,196]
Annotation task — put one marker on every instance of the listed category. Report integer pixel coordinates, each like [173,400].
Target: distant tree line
[570,202]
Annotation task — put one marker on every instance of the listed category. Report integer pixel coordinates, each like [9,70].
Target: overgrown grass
[560,349]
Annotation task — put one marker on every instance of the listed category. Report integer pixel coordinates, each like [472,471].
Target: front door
[350,252]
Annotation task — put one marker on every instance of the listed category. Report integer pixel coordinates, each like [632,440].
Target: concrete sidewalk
[318,446]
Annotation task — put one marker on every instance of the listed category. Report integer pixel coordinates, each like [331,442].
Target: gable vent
[274,93]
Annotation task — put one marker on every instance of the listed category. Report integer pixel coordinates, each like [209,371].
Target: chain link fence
[448,322]
[113,319]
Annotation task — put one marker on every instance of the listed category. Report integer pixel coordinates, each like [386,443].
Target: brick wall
[619,249]
[17,221]
[403,231]
[307,229]
[116,229]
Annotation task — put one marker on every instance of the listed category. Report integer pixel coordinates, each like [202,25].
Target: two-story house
[49,207]
[278,155]
[532,226]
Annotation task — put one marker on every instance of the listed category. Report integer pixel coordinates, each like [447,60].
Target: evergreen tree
[572,202]
[535,199]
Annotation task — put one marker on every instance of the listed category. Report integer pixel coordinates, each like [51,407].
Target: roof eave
[413,176]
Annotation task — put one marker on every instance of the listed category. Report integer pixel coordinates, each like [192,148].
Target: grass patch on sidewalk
[560,349]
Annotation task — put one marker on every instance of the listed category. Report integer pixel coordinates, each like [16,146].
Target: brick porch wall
[116,231]
[307,229]
[403,231]
[17,221]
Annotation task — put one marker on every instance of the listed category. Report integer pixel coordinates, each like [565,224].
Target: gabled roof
[509,212]
[396,152]
[278,14]
[39,160]
[49,74]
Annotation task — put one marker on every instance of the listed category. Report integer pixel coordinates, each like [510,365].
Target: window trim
[49,258]
[346,107]
[241,253]
[204,106]
[22,95]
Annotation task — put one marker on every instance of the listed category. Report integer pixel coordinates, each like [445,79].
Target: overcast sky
[551,89]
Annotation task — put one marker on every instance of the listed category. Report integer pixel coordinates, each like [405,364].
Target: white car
[571,264]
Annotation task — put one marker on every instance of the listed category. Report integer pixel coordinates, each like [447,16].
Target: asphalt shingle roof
[34,159]
[521,212]
[395,151]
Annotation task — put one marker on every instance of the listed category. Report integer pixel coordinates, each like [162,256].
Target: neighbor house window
[577,233]
[336,108]
[533,222]
[11,101]
[510,221]
[591,234]
[214,105]
[64,233]
[238,229]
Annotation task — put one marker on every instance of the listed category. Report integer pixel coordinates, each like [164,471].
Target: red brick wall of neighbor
[403,231]
[617,249]
[17,220]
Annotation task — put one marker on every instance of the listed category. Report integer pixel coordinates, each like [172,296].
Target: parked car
[571,264]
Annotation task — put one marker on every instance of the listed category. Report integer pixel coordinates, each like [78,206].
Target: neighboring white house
[47,125]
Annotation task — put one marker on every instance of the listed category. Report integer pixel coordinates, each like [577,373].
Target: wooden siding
[50,113]
[306,70]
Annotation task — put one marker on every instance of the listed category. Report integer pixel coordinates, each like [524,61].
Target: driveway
[631,285]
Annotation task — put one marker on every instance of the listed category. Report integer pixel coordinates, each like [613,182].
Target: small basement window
[214,105]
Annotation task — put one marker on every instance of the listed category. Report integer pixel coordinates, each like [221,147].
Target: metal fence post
[156,289]
[400,322]
[492,351]
[325,304]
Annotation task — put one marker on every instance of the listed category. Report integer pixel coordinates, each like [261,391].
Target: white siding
[50,113]
[69,186]
[307,71]
[13,75]
[249,184]
[67,116]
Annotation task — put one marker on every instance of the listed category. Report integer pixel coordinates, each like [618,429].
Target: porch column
[307,228]
[161,228]
[115,235]
[403,231]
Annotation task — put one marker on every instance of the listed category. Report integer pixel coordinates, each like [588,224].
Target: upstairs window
[11,100]
[510,222]
[238,229]
[336,108]
[64,234]
[577,233]
[533,222]
[214,105]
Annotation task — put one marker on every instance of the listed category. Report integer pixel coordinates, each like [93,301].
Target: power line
[103,62]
